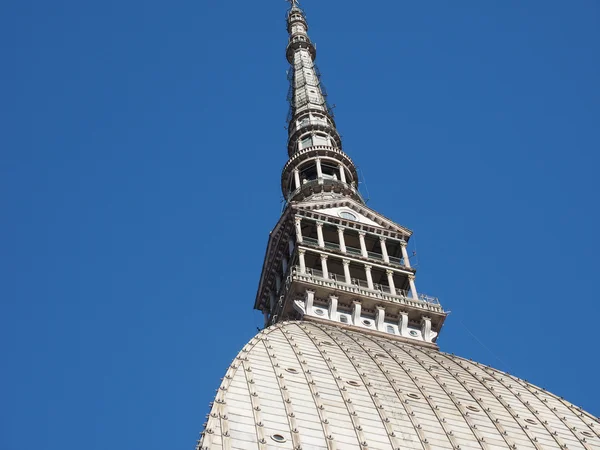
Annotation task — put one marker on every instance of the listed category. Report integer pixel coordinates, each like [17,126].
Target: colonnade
[298,183]
[342,241]
[348,278]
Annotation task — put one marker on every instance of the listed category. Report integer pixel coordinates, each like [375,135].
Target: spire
[317,163]
[329,256]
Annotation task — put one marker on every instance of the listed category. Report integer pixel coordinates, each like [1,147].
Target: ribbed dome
[314,386]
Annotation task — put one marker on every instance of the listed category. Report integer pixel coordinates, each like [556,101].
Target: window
[347,215]
[278,438]
[344,319]
[390,329]
[413,333]
[306,142]
[320,140]
[366,323]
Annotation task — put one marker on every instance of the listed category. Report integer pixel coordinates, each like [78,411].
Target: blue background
[140,159]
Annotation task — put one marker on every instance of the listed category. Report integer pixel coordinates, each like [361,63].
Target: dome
[310,385]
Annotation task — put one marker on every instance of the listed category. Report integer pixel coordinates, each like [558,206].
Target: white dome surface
[305,385]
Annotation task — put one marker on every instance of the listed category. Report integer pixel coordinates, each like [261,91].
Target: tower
[329,256]
[348,357]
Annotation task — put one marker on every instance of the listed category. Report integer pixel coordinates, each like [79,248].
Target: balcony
[360,287]
[325,185]
[351,250]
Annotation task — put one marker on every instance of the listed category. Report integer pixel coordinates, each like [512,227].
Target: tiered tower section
[317,162]
[330,258]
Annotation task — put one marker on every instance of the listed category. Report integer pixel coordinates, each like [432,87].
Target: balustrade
[353,250]
[338,281]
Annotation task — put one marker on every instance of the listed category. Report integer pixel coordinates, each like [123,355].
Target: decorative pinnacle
[293,2]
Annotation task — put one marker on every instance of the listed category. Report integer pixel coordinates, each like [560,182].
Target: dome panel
[315,386]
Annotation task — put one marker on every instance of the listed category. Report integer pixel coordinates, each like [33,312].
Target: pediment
[355,213]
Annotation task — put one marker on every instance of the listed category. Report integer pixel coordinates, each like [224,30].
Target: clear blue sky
[140,158]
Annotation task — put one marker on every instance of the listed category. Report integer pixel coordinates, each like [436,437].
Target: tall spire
[317,163]
[328,247]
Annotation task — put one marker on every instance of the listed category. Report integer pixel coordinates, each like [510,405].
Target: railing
[375,255]
[310,240]
[359,286]
[324,181]
[315,148]
[352,250]
[323,124]
[395,260]
[429,299]
[332,246]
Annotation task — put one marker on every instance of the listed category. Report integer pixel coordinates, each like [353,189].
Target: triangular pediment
[349,210]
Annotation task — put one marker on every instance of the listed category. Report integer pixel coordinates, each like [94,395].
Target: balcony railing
[351,250]
[358,286]
[354,251]
[310,240]
[324,181]
[375,255]
[332,246]
[395,260]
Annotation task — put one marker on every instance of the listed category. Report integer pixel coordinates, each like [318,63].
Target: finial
[294,3]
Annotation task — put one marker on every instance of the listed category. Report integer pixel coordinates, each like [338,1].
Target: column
[277,283]
[369,276]
[333,303]
[324,267]
[320,234]
[272,300]
[413,288]
[356,313]
[319,171]
[284,265]
[341,239]
[298,224]
[347,277]
[384,252]
[392,285]
[266,314]
[403,323]
[379,318]
[297,178]
[404,253]
[291,246]
[363,245]
[309,298]
[302,261]
[342,173]
[426,328]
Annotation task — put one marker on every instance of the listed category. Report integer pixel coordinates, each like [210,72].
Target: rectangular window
[306,142]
